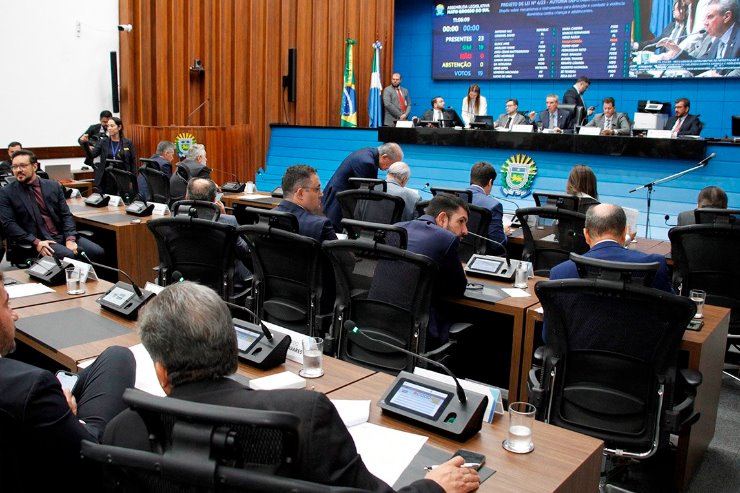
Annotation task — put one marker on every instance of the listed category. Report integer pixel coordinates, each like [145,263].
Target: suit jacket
[440,245]
[123,152]
[327,453]
[362,163]
[564,119]
[20,214]
[690,126]
[410,198]
[517,119]
[572,96]
[392,105]
[707,50]
[189,168]
[317,227]
[686,218]
[496,228]
[620,123]
[164,166]
[665,34]
[451,115]
[39,435]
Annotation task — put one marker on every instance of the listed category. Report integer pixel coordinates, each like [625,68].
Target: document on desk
[516,292]
[26,289]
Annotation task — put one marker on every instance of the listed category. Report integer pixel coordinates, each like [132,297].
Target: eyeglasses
[316,189]
[20,166]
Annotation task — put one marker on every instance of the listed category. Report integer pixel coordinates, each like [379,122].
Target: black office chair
[287,284]
[575,114]
[479,219]
[420,208]
[585,203]
[158,183]
[376,184]
[201,250]
[628,272]
[371,206]
[387,292]
[550,235]
[705,256]
[610,364]
[200,209]
[386,234]
[462,193]
[126,185]
[204,448]
[716,216]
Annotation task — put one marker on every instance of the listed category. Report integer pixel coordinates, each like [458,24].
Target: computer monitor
[647,106]
[482,122]
[555,199]
[736,125]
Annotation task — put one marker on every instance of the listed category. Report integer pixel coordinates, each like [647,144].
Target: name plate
[527,128]
[295,350]
[159,209]
[86,270]
[659,134]
[115,201]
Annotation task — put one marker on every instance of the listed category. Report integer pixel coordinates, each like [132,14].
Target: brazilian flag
[349,105]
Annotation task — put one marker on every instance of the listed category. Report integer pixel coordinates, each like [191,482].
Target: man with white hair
[398,176]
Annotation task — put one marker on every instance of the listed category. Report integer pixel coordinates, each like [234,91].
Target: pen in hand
[472,465]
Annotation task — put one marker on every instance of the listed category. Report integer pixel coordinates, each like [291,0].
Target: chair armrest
[538,355]
[441,352]
[459,328]
[85,233]
[692,378]
[681,415]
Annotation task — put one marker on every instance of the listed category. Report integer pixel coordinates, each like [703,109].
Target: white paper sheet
[352,412]
[386,452]
[252,196]
[516,292]
[27,289]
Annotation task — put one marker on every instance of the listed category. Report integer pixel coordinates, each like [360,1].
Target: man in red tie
[396,102]
[681,123]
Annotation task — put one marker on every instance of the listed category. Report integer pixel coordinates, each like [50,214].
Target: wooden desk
[229,199]
[85,187]
[562,460]
[134,247]
[515,308]
[704,351]
[93,288]
[71,355]
[83,174]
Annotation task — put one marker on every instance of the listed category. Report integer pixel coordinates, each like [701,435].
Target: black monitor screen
[736,126]
[559,200]
[564,39]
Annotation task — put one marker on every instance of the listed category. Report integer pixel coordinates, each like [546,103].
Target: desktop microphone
[233,186]
[426,188]
[120,299]
[48,273]
[351,328]
[516,206]
[257,345]
[667,217]
[704,161]
[506,252]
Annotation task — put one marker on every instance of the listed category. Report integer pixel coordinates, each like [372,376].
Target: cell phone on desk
[695,324]
[471,457]
[67,379]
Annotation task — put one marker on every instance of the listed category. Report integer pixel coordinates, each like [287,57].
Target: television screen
[564,39]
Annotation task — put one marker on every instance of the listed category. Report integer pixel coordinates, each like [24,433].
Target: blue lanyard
[114,150]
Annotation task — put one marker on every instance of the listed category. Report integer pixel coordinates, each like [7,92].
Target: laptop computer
[59,172]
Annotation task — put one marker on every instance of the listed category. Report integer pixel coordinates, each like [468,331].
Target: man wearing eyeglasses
[302,192]
[33,210]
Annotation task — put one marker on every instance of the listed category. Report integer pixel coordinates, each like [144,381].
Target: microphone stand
[652,184]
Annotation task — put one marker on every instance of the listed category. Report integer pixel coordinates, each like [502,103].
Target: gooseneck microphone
[114,269]
[680,38]
[516,206]
[350,326]
[503,247]
[706,159]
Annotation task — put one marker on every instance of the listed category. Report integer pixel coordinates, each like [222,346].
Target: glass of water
[521,419]
[698,296]
[521,274]
[313,351]
[75,281]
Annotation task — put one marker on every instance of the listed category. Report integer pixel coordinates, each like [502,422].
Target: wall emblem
[519,172]
[183,142]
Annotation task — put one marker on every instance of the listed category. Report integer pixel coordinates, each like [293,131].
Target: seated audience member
[42,424]
[33,210]
[709,197]
[582,183]
[682,123]
[437,235]
[163,157]
[553,118]
[473,105]
[204,189]
[193,166]
[610,122]
[512,116]
[438,113]
[397,179]
[6,166]
[189,334]
[482,176]
[363,163]
[302,198]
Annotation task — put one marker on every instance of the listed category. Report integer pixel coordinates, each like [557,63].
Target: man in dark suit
[709,197]
[482,176]
[681,123]
[511,117]
[554,118]
[164,156]
[193,166]
[444,117]
[42,424]
[302,198]
[610,122]
[173,330]
[437,235]
[33,210]
[574,96]
[363,163]
[93,134]
[6,166]
[396,102]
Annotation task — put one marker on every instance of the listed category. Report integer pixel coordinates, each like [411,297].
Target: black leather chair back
[159,185]
[371,206]
[200,209]
[126,185]
[479,219]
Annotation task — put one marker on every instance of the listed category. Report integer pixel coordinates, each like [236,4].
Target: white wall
[54,83]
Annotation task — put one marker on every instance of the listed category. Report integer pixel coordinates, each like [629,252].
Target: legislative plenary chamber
[348,245]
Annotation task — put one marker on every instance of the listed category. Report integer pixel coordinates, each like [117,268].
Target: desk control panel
[492,267]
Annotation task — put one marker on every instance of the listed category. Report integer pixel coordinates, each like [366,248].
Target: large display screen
[565,39]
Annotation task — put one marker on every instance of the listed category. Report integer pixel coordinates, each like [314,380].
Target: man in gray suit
[511,117]
[398,176]
[610,122]
[396,102]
